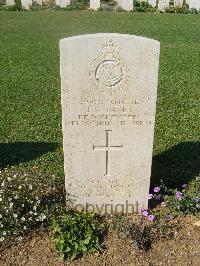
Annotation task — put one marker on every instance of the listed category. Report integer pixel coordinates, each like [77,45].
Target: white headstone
[10,2]
[26,4]
[125,4]
[163,5]
[95,4]
[109,85]
[152,2]
[178,3]
[194,4]
[62,3]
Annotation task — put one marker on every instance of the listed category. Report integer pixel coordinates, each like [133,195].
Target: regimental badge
[107,71]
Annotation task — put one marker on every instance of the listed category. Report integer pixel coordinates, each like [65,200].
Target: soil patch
[183,249]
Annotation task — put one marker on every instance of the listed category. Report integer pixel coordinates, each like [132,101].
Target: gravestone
[163,5]
[10,2]
[194,4]
[62,3]
[152,2]
[125,4]
[94,4]
[26,4]
[109,84]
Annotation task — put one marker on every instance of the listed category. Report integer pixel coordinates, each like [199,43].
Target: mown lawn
[30,111]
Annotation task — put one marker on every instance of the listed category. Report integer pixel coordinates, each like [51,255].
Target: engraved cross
[108,148]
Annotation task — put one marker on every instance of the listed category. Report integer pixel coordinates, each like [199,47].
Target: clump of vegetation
[143,6]
[76,234]
[177,9]
[169,203]
[23,206]
[193,11]
[76,5]
[16,7]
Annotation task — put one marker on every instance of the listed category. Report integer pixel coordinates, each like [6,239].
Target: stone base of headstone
[194,4]
[163,5]
[153,3]
[26,4]
[10,2]
[62,3]
[95,4]
[125,4]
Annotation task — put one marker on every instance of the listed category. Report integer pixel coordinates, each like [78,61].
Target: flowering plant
[20,206]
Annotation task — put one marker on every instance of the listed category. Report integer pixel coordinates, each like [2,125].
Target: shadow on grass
[19,152]
[176,166]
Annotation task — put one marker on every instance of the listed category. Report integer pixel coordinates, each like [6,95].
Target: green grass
[30,114]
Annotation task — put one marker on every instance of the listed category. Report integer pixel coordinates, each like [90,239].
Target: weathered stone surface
[178,3]
[10,2]
[152,2]
[194,4]
[109,84]
[163,4]
[62,3]
[26,4]
[94,4]
[125,4]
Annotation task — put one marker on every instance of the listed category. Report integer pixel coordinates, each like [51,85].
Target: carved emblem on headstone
[107,71]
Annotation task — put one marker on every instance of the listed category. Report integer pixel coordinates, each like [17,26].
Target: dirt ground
[182,249]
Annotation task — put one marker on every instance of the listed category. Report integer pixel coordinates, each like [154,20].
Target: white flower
[30,186]
[9,179]
[11,204]
[35,213]
[22,205]
[4,233]
[31,212]
[42,217]
[3,184]
[16,197]
[2,239]
[34,208]
[14,175]
[0,216]
[0,199]
[23,219]
[20,187]
[25,227]
[15,215]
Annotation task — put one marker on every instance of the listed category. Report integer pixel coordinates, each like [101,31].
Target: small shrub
[76,234]
[193,11]
[143,7]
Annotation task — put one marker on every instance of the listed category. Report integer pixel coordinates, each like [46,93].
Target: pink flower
[179,195]
[150,196]
[150,218]
[145,213]
[156,189]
